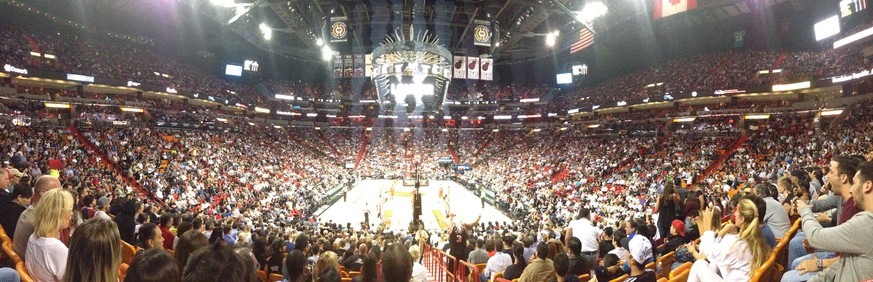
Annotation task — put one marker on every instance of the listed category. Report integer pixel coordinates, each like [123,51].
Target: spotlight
[266,30]
[591,12]
[551,38]
[319,42]
[326,53]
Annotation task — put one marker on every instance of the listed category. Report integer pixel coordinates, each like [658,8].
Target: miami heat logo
[338,30]
[482,33]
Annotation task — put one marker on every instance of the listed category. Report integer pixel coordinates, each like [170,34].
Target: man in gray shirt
[775,217]
[479,255]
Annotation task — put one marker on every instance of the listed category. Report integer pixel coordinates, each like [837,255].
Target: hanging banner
[481,33]
[339,29]
[368,65]
[348,65]
[460,66]
[359,65]
[472,68]
[487,69]
[337,66]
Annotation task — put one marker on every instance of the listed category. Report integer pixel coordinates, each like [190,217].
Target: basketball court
[396,211]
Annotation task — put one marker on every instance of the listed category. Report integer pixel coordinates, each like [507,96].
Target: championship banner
[460,67]
[481,33]
[664,8]
[359,65]
[337,66]
[472,68]
[348,65]
[339,29]
[368,65]
[487,69]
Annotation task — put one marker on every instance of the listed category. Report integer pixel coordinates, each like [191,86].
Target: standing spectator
[46,255]
[587,234]
[10,211]
[95,252]
[25,226]
[668,208]
[126,221]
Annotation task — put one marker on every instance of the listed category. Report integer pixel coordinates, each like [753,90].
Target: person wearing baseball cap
[676,238]
[103,208]
[640,253]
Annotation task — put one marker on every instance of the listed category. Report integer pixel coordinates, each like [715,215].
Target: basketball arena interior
[436,140]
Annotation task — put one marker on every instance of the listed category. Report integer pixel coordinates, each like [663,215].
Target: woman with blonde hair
[735,252]
[46,255]
[95,252]
[326,262]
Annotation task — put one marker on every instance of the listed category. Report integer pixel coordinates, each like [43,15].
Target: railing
[446,268]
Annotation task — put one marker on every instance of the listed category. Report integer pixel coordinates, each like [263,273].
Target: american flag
[586,38]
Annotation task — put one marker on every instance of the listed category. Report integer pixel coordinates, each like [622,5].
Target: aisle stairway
[454,155]
[364,141]
[722,158]
[333,149]
[482,148]
[140,191]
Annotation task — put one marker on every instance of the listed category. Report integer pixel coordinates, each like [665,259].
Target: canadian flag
[664,8]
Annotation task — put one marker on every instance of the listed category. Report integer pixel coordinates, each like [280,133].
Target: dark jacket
[126,228]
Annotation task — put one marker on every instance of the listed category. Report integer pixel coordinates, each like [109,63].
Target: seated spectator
[541,267]
[499,261]
[10,211]
[149,237]
[851,238]
[776,218]
[354,262]
[640,249]
[46,256]
[189,243]
[608,269]
[396,264]
[478,255]
[562,266]
[734,252]
[95,252]
[215,263]
[25,226]
[295,266]
[676,238]
[517,268]
[153,265]
[249,260]
[619,249]
[577,263]
[370,270]
[169,238]
[419,272]
[326,261]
